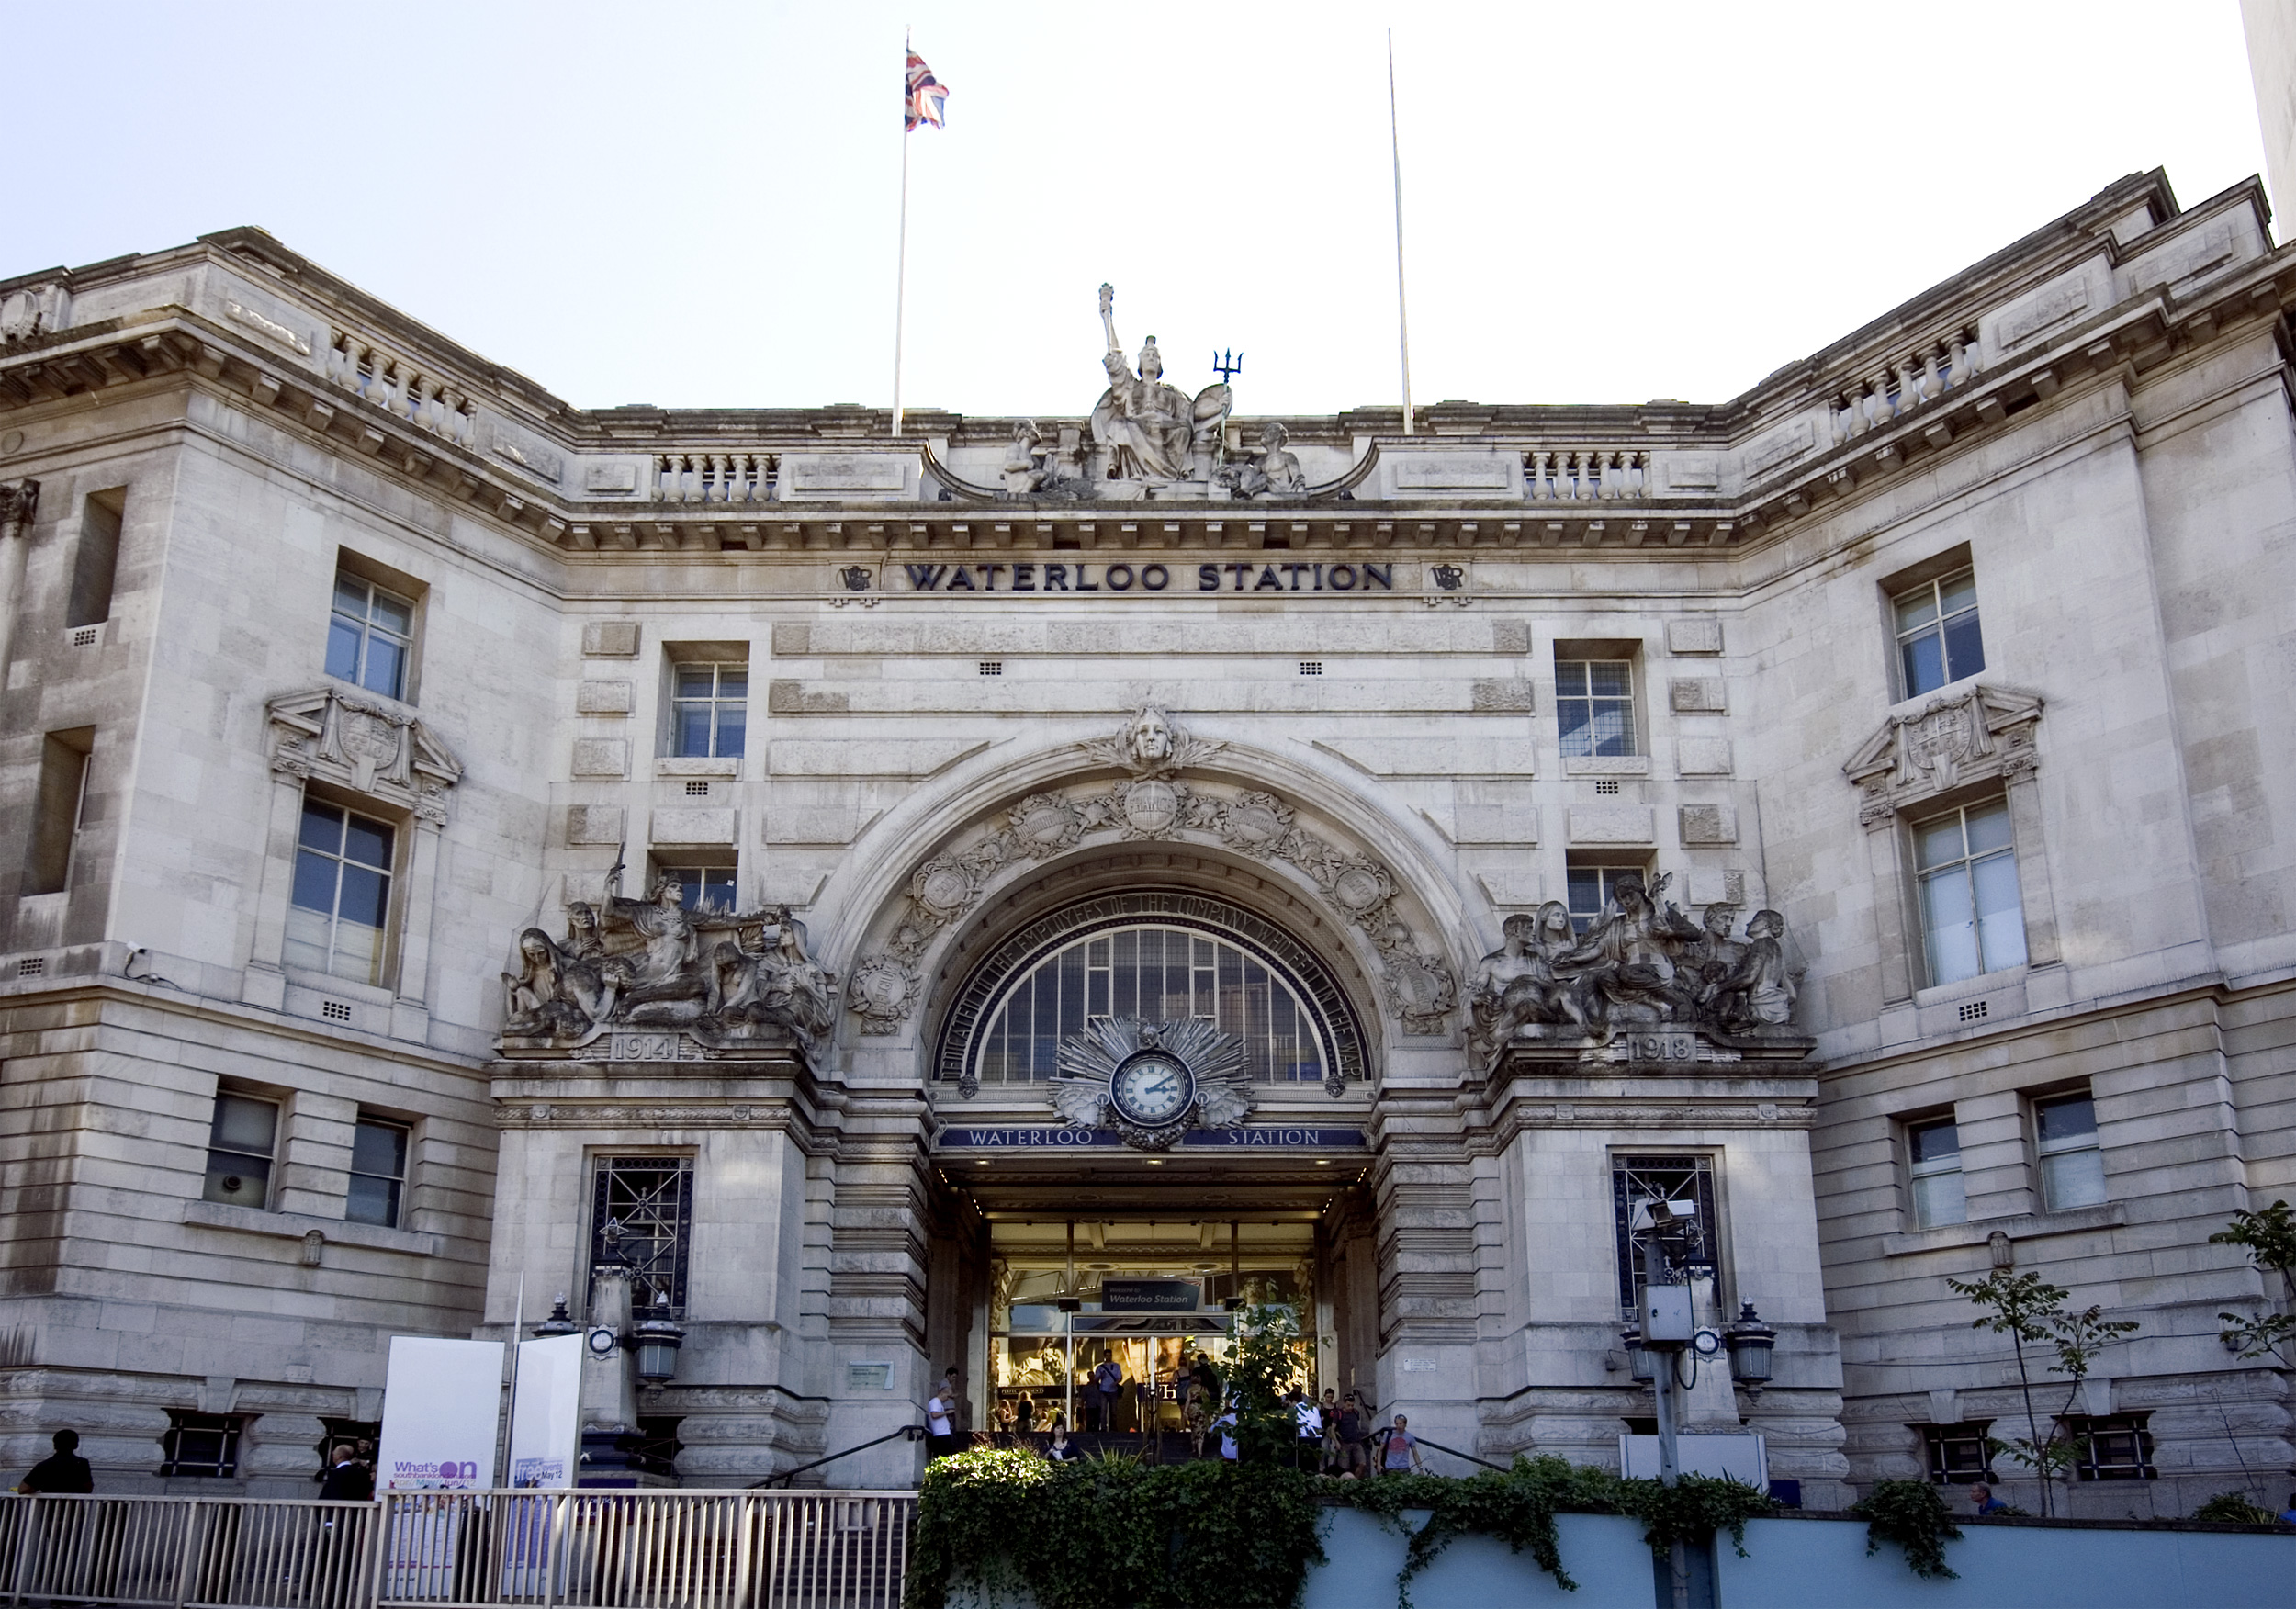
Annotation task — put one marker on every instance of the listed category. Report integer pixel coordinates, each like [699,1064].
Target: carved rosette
[1421,988]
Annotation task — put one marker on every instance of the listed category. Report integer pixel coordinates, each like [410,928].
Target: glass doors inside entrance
[1125,1326]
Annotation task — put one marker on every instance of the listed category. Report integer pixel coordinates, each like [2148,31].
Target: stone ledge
[296,1225]
[2018,1226]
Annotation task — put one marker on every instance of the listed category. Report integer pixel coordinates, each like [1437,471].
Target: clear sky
[694,205]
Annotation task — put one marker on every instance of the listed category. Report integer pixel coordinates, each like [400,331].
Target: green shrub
[1913,1514]
[2233,1508]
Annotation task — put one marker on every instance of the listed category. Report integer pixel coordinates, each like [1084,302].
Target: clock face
[1152,1090]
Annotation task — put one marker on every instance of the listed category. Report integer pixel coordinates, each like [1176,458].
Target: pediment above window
[368,745]
[1979,734]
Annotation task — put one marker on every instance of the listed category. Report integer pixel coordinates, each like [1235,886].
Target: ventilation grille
[697,790]
[84,636]
[1607,785]
[31,966]
[1310,667]
[1975,1011]
[334,1010]
[992,667]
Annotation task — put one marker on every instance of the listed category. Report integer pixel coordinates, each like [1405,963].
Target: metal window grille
[84,636]
[1975,1011]
[697,790]
[1958,1454]
[1637,1181]
[641,1217]
[2116,1447]
[202,1444]
[335,1010]
[31,966]
[992,667]
[1310,667]
[1607,785]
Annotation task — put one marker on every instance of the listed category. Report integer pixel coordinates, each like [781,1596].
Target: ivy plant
[1913,1514]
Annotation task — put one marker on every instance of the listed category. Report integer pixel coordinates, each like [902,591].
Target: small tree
[2271,1239]
[2031,1313]
[1269,1360]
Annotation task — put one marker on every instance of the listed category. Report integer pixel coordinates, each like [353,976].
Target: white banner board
[441,1403]
[1744,1457]
[546,1412]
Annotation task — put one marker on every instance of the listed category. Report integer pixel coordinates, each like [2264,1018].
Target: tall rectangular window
[642,1217]
[370,635]
[1636,1182]
[95,562]
[1938,640]
[241,1142]
[1972,918]
[1589,889]
[1933,1151]
[709,710]
[703,885]
[2072,1167]
[1594,706]
[59,810]
[379,1172]
[339,914]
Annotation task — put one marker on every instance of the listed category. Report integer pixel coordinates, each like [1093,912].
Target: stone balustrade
[714,477]
[1585,475]
[397,383]
[1904,382]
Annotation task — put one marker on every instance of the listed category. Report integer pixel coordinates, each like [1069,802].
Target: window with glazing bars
[2112,1447]
[1594,706]
[703,885]
[378,1173]
[369,636]
[1933,1155]
[2072,1167]
[709,713]
[1958,1452]
[641,1217]
[1938,639]
[243,1139]
[1590,889]
[202,1444]
[339,911]
[1157,974]
[1636,1182]
[1973,919]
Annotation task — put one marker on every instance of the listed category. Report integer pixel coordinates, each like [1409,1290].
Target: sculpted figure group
[1639,963]
[654,963]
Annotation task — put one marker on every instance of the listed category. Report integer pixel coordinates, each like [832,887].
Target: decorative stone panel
[1503,696]
[1612,824]
[595,824]
[601,756]
[605,698]
[693,827]
[1696,695]
[610,639]
[1707,823]
[1696,633]
[1701,757]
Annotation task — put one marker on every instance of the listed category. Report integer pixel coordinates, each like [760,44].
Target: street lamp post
[1667,1326]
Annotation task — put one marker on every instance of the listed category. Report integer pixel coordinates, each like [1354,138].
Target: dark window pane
[1925,664]
[732,730]
[733,683]
[343,649]
[371,1200]
[351,596]
[1575,720]
[322,828]
[386,665]
[1936,1142]
[1609,679]
[380,1148]
[2068,1120]
[393,613]
[695,682]
[367,842]
[315,883]
[366,895]
[693,730]
[1571,677]
[243,1123]
[237,1180]
[1965,649]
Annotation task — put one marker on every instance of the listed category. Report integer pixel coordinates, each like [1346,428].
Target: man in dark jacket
[348,1480]
[65,1471]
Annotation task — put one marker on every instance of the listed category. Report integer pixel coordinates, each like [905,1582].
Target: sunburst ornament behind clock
[1152,1082]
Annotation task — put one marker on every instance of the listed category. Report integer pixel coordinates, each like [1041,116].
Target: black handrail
[907,1431]
[1380,1435]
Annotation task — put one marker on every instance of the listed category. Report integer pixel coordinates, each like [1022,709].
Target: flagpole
[900,272]
[1403,319]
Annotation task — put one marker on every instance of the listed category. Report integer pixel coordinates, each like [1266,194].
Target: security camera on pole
[1665,1327]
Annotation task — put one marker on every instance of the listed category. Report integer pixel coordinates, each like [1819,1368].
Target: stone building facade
[445,826]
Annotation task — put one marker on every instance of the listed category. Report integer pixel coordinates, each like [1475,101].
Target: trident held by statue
[1227,365]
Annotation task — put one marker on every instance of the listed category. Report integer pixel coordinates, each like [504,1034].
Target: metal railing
[462,1550]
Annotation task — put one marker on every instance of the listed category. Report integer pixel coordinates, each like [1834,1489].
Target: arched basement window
[1157,958]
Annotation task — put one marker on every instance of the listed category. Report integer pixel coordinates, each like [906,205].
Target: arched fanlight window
[1158,958]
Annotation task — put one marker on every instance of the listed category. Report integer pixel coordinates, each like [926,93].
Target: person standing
[1354,1431]
[940,1425]
[64,1472]
[1981,1498]
[348,1481]
[1401,1455]
[1309,1418]
[1108,1384]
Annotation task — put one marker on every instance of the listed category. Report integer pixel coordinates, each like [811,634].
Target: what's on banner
[546,1412]
[441,1402]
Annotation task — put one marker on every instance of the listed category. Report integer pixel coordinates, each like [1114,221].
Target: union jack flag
[921,96]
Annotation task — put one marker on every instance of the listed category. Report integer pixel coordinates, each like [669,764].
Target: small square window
[378,1173]
[1933,1155]
[243,1139]
[2072,1167]
[2112,1446]
[1938,640]
[704,886]
[1594,706]
[202,1444]
[709,710]
[370,637]
[1592,890]
[1958,1454]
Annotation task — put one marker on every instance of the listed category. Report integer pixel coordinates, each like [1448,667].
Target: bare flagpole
[1402,320]
[901,272]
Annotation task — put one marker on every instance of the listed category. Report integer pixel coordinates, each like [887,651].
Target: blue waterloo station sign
[1059,1138]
